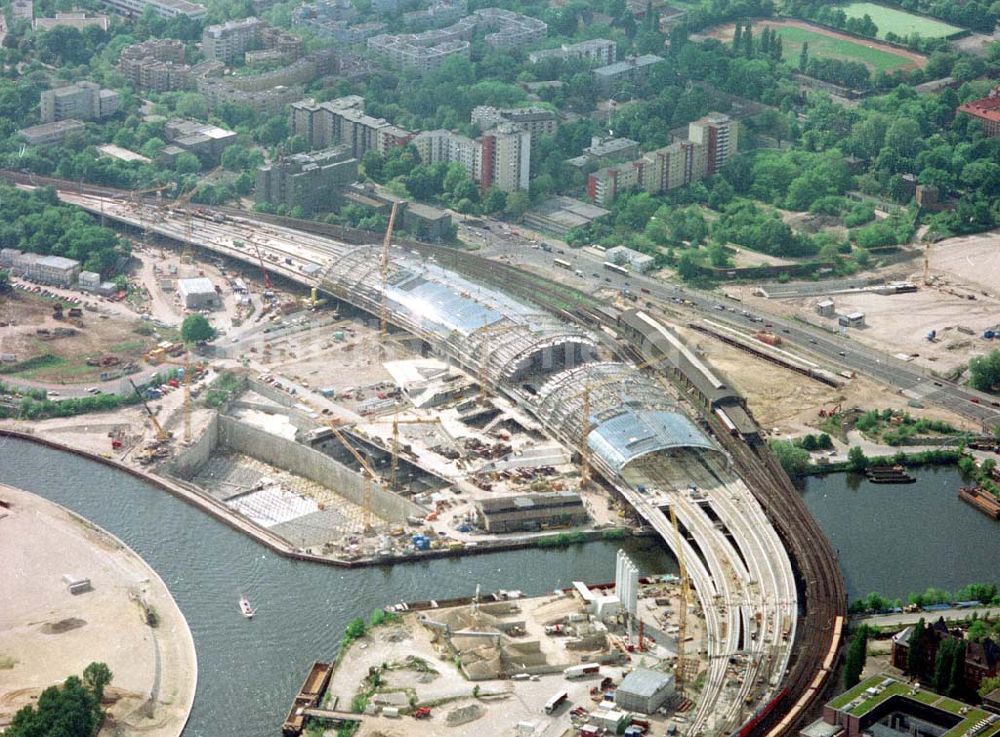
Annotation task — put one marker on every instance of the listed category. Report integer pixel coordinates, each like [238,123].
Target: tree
[748,41]
[4,281]
[857,652]
[857,459]
[738,39]
[943,664]
[989,685]
[196,329]
[794,460]
[984,372]
[915,652]
[518,203]
[956,679]
[804,56]
[95,677]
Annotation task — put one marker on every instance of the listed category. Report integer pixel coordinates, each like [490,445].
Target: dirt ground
[788,402]
[51,634]
[95,336]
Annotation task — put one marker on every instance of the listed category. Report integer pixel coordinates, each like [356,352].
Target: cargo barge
[308,698]
[981,500]
[889,475]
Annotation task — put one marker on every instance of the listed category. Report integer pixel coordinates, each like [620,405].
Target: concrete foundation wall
[313,465]
[186,464]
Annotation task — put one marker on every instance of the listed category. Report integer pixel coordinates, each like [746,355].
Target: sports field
[899,21]
[830,44]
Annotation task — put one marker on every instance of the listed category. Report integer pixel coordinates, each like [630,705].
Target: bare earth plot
[47,634]
[830,44]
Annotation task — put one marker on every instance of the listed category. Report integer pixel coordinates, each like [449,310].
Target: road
[904,618]
[838,352]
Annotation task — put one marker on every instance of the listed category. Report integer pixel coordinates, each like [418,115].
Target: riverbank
[51,633]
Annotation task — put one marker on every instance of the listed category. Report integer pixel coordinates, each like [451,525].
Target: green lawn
[899,21]
[828,47]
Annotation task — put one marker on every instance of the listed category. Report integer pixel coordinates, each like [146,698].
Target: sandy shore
[46,633]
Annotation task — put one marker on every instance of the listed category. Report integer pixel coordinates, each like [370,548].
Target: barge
[889,475]
[308,697]
[981,500]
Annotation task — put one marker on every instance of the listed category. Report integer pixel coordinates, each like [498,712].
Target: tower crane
[368,477]
[187,393]
[263,270]
[680,675]
[396,422]
[383,308]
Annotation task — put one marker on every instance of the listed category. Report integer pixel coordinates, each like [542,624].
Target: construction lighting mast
[682,611]
[383,308]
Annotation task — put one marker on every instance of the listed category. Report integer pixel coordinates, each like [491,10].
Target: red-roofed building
[986,110]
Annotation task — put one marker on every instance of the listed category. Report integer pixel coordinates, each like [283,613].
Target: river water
[896,539]
[250,670]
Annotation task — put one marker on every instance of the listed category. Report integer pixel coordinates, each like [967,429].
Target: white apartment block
[600,51]
[80,101]
[228,41]
[163,8]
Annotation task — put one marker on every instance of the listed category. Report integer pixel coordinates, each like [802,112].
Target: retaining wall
[315,466]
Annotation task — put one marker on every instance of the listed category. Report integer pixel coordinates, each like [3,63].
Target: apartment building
[207,142]
[633,69]
[534,120]
[717,133]
[506,158]
[344,121]
[310,181]
[163,8]
[156,65]
[987,111]
[442,146]
[604,150]
[601,51]
[48,134]
[80,101]
[439,13]
[227,42]
[76,19]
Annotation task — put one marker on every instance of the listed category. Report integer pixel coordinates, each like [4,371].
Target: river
[896,539]
[250,670]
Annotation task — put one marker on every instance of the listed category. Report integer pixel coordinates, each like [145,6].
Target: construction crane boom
[682,610]
[368,476]
[383,311]
[161,434]
[263,270]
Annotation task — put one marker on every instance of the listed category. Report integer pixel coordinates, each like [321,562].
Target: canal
[896,539]
[250,670]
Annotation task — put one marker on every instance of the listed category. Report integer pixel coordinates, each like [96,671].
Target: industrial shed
[197,293]
[645,691]
[531,511]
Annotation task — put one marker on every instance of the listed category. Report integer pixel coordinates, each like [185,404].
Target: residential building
[982,659]
[601,51]
[987,111]
[205,141]
[439,13]
[309,181]
[632,69]
[530,511]
[534,120]
[506,158]
[80,101]
[22,10]
[163,8]
[606,150]
[156,65]
[559,215]
[226,42]
[439,146]
[318,14]
[76,19]
[607,183]
[48,134]
[717,133]
[428,49]
[887,707]
[343,120]
[197,293]
[645,691]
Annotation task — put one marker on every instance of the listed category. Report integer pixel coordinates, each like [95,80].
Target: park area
[899,22]
[829,44]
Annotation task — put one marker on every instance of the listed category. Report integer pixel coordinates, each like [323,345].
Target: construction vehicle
[832,412]
[383,311]
[422,712]
[313,301]
[162,435]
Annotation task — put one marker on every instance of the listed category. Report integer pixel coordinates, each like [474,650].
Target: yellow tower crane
[680,675]
[383,308]
[187,393]
[368,477]
[396,422]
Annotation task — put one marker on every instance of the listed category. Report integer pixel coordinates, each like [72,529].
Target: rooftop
[620,67]
[645,683]
[197,285]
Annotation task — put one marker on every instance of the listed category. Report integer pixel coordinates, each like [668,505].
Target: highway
[735,576]
[836,351]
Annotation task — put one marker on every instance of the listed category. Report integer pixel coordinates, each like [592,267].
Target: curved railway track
[823,596]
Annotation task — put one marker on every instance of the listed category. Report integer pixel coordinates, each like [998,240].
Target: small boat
[245,607]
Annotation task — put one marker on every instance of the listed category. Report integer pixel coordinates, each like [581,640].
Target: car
[974,400]
[607,278]
[785,330]
[93,390]
[53,393]
[813,341]
[938,383]
[720,308]
[841,353]
[768,325]
[595,274]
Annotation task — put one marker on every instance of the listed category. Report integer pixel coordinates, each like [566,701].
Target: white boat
[245,607]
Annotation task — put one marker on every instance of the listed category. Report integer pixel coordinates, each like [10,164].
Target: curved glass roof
[636,433]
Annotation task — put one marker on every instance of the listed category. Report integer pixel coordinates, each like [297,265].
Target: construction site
[367,403]
[586,659]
